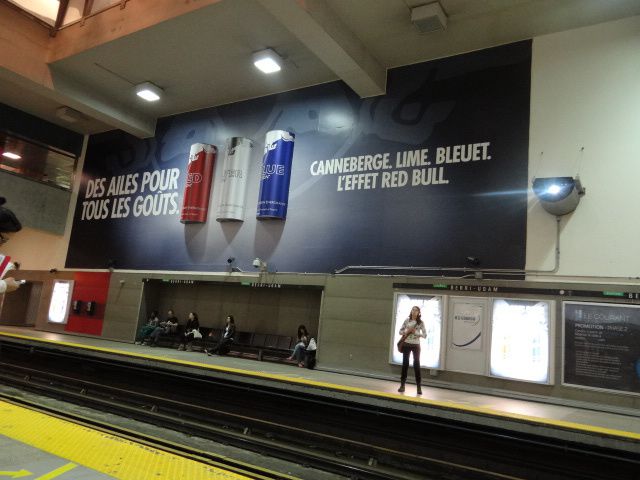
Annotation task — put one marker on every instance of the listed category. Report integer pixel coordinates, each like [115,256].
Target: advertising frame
[563,334]
[67,304]
[484,352]
[395,325]
[551,341]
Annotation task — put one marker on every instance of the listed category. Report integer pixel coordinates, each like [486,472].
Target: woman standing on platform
[192,326]
[412,331]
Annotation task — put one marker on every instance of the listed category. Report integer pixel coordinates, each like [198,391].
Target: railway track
[208,458]
[350,440]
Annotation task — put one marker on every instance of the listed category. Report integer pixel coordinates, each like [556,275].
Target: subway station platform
[39,446]
[590,426]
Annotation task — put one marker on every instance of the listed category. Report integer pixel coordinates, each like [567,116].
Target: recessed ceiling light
[148,91]
[11,155]
[69,115]
[267,61]
[429,18]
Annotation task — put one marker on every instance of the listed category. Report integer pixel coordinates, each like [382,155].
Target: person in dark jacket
[166,327]
[148,327]
[227,338]
[193,325]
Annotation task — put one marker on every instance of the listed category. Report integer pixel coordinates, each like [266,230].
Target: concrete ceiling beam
[117,22]
[86,101]
[28,55]
[89,102]
[325,34]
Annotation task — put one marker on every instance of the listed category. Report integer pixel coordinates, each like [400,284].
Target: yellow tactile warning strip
[362,391]
[108,454]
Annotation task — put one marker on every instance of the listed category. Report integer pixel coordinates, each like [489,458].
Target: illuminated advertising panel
[602,346]
[520,339]
[60,301]
[431,309]
[466,330]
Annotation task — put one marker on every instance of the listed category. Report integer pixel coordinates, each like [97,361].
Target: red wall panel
[89,287]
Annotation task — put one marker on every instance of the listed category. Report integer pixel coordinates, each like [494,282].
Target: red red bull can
[197,190]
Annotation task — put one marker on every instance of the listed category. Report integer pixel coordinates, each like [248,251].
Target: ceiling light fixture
[429,18]
[69,115]
[11,155]
[148,91]
[267,61]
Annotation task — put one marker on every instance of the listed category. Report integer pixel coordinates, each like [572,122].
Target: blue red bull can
[276,175]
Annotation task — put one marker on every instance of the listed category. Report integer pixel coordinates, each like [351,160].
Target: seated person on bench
[169,326]
[193,326]
[300,349]
[149,327]
[225,342]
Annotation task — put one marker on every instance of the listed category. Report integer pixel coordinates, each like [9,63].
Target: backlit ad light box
[431,309]
[60,301]
[520,340]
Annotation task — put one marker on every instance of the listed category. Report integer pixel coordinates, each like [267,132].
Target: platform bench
[170,340]
[261,346]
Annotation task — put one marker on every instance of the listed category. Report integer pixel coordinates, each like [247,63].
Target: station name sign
[261,285]
[251,284]
[555,292]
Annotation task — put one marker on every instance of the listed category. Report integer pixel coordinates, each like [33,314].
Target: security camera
[473,261]
[231,259]
[257,263]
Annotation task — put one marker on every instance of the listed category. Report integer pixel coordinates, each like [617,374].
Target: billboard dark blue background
[473,98]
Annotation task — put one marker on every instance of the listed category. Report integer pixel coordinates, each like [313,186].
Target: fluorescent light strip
[148,95]
[11,155]
[267,65]
[148,91]
[267,61]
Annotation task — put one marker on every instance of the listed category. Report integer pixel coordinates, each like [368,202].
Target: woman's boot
[401,389]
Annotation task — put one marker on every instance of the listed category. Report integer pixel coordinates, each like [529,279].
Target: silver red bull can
[235,173]
[197,190]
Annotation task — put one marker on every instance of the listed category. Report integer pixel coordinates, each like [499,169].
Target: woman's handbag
[196,333]
[401,342]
